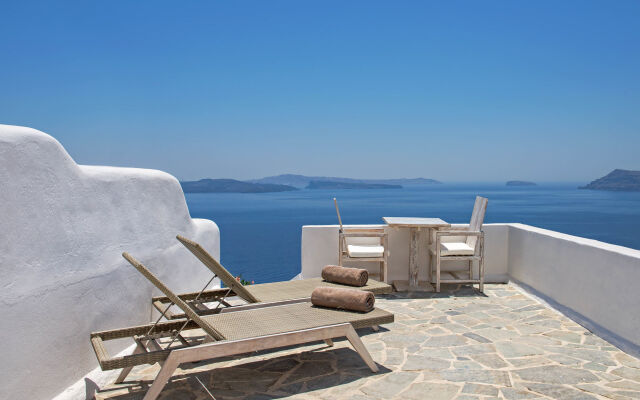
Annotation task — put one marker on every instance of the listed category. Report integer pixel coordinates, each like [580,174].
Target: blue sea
[260,233]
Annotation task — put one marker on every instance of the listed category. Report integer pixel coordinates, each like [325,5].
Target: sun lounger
[291,291]
[231,332]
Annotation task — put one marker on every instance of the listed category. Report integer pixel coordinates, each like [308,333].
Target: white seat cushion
[456,249]
[356,251]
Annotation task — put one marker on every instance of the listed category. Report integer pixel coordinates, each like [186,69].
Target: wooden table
[415,225]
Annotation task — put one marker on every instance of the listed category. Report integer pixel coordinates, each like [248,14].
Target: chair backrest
[191,314]
[335,201]
[215,267]
[477,218]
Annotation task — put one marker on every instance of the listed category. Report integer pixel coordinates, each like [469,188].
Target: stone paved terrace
[458,344]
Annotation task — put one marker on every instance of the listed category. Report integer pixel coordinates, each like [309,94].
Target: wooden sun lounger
[291,291]
[232,333]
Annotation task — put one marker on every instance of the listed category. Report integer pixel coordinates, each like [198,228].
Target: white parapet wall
[592,282]
[320,248]
[64,227]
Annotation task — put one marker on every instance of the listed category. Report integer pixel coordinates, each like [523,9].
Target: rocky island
[231,186]
[619,180]
[302,181]
[349,185]
[521,183]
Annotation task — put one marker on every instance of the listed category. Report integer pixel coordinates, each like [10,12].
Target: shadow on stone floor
[276,377]
[446,291]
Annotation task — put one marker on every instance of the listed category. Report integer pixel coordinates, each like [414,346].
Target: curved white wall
[64,227]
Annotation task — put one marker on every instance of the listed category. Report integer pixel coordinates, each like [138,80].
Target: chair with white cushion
[464,243]
[363,245]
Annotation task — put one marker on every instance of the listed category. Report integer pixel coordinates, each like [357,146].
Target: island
[619,180]
[231,186]
[302,181]
[521,183]
[349,185]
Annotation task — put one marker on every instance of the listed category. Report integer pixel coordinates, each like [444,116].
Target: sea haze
[260,233]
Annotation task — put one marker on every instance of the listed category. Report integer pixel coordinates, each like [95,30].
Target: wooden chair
[363,245]
[464,243]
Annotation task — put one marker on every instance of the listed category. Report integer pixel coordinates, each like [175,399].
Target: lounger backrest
[477,218]
[213,332]
[215,267]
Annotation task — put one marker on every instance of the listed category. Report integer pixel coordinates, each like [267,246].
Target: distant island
[521,183]
[231,186]
[302,181]
[619,180]
[349,185]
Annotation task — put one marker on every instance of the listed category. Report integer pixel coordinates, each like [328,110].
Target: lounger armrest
[98,347]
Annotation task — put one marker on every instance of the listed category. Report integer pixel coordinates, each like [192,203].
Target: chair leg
[383,271]
[470,269]
[437,274]
[430,270]
[329,342]
[360,348]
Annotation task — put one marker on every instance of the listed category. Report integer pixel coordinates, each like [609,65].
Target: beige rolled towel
[346,276]
[346,299]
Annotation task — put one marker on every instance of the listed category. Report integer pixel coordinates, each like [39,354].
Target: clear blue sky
[455,90]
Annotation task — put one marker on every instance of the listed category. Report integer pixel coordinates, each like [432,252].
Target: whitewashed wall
[64,227]
[593,282]
[320,247]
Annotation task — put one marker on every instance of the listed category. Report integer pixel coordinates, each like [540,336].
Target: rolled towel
[346,299]
[347,276]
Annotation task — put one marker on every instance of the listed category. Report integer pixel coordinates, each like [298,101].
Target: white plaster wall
[64,227]
[320,247]
[593,282]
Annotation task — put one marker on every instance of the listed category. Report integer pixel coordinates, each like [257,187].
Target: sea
[260,233]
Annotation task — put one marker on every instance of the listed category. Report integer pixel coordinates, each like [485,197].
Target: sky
[457,91]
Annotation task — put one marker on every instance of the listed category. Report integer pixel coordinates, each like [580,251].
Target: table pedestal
[414,225]
[413,257]
[412,284]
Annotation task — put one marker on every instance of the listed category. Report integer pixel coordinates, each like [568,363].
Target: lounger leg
[357,344]
[375,328]
[162,378]
[329,342]
[127,370]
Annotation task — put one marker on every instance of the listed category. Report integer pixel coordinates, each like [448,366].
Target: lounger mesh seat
[238,325]
[291,317]
[260,293]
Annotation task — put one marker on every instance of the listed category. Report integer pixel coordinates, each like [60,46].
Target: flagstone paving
[458,344]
